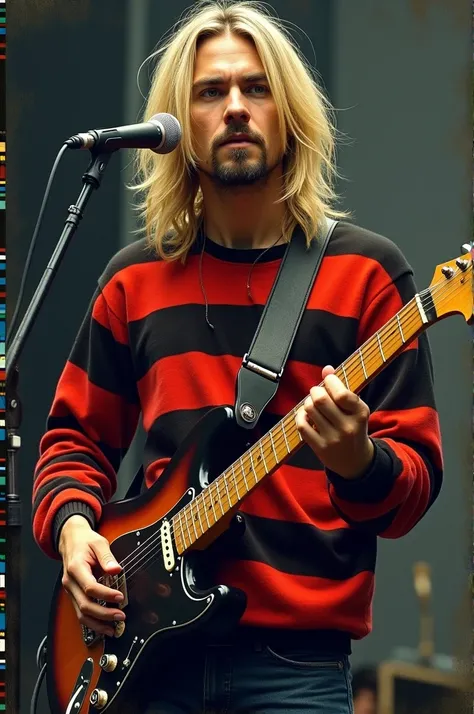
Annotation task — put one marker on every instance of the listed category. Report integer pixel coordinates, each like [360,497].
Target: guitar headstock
[452,286]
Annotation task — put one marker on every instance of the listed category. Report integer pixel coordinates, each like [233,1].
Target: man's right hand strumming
[84,552]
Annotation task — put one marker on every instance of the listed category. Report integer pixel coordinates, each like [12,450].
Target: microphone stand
[91,179]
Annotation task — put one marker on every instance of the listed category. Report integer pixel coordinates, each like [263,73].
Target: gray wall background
[401,81]
[399,76]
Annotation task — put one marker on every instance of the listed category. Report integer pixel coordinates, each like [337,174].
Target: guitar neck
[228,490]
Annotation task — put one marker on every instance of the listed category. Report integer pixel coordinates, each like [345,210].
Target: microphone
[161,134]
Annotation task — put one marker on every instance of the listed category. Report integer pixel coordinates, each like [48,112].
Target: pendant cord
[249,293]
[253,266]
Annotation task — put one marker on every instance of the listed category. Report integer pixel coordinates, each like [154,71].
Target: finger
[104,556]
[89,608]
[307,430]
[329,369]
[320,405]
[344,399]
[80,572]
[95,625]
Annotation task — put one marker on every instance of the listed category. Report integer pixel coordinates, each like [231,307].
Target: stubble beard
[238,170]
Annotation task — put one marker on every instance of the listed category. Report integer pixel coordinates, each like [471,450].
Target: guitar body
[162,608]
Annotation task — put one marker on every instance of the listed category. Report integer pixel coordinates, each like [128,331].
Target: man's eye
[206,92]
[262,89]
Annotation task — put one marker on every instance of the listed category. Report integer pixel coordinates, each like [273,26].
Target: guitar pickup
[167,546]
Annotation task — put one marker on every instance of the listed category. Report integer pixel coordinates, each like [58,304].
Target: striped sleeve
[90,426]
[405,476]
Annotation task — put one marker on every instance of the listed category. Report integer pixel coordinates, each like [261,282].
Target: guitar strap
[262,366]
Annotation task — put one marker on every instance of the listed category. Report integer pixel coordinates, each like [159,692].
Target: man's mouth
[234,140]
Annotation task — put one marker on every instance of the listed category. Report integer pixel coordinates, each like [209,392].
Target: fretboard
[229,489]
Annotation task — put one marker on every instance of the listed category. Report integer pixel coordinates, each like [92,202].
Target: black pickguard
[163,608]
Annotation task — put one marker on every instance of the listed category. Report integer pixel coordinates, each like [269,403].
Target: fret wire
[400,328]
[284,436]
[380,347]
[187,526]
[243,474]
[263,456]
[209,490]
[253,467]
[216,483]
[227,491]
[421,309]
[410,311]
[345,375]
[297,430]
[199,514]
[205,508]
[181,526]
[235,481]
[273,445]
[191,511]
[362,362]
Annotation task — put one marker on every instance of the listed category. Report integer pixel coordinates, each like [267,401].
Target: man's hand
[82,551]
[334,423]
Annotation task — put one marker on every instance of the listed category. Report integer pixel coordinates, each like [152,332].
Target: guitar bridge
[117,582]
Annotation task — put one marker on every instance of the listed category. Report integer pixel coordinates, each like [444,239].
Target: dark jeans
[248,678]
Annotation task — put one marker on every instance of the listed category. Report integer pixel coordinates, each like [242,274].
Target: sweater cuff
[373,486]
[73,508]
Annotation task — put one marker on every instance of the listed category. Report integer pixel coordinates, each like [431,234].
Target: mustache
[238,129]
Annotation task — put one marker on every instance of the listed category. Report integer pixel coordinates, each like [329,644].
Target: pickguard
[159,603]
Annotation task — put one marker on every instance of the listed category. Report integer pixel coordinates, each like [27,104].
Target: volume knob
[108,662]
[99,698]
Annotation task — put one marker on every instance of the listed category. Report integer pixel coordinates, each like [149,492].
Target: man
[165,336]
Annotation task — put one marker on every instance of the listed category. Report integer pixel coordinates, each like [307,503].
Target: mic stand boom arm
[91,179]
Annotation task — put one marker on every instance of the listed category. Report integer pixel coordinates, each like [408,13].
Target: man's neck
[243,217]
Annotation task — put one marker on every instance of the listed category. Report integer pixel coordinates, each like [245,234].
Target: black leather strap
[263,365]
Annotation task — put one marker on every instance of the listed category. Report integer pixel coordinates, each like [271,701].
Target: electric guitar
[158,536]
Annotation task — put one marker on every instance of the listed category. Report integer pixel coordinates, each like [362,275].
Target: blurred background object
[364,690]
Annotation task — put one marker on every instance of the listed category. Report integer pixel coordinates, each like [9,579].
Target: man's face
[231,99]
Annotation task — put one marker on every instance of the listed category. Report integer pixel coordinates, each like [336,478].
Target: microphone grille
[171,130]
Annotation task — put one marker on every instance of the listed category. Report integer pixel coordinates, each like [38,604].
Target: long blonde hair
[171,199]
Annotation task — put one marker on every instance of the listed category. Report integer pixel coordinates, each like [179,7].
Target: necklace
[201,280]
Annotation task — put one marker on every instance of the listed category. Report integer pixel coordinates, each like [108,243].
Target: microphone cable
[10,328]
[42,666]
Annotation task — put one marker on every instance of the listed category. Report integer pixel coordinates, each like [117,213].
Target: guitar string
[142,553]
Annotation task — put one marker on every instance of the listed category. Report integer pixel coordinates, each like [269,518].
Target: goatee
[239,171]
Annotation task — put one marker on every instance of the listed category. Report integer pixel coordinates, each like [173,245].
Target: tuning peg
[466,247]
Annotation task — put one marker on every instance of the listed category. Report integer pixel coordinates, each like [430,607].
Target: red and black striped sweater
[307,558]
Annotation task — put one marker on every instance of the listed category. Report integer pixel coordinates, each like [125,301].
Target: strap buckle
[263,371]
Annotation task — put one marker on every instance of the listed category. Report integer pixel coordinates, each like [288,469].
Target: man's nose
[236,107]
